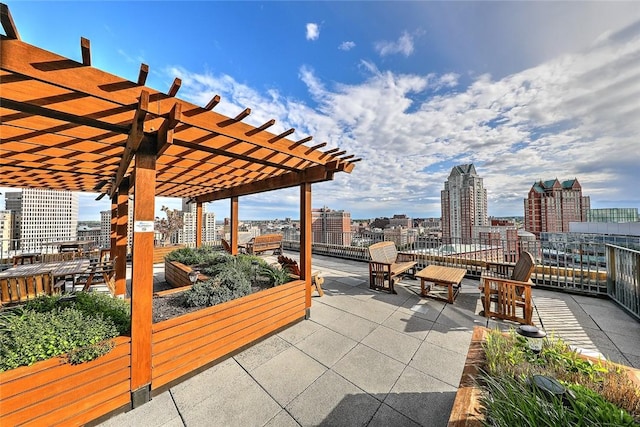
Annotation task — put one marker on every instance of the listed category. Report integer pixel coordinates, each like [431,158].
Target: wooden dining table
[57,268]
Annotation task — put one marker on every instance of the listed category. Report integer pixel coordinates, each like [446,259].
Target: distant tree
[168,226]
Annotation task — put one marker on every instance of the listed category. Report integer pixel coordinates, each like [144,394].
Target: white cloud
[347,45]
[404,46]
[574,116]
[313,31]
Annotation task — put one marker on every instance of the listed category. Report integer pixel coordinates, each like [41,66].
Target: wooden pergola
[66,125]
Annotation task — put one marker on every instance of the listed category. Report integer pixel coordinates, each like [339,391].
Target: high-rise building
[329,226]
[189,212]
[42,216]
[464,204]
[552,205]
[6,229]
[401,221]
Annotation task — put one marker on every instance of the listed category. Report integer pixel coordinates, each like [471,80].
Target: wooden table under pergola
[66,125]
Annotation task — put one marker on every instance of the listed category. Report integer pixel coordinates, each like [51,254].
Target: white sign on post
[143,226]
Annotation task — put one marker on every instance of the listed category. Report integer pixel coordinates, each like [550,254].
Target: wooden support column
[114,227]
[142,275]
[233,231]
[198,224]
[119,249]
[305,239]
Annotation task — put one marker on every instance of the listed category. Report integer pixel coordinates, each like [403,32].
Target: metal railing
[623,278]
[569,265]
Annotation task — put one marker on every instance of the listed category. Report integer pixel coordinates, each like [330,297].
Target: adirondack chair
[18,289]
[506,289]
[294,270]
[387,265]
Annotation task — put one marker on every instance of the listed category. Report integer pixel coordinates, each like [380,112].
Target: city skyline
[524,91]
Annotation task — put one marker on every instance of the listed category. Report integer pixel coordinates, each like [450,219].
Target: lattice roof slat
[67,125]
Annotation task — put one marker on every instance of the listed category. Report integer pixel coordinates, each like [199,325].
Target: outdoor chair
[226,246]
[387,265]
[506,289]
[18,289]
[292,266]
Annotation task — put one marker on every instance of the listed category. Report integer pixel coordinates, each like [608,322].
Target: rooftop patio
[369,358]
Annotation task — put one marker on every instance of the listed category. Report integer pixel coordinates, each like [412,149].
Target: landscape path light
[533,335]
[193,276]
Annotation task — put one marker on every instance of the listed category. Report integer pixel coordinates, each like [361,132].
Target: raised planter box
[176,274]
[159,252]
[466,406]
[185,344]
[54,392]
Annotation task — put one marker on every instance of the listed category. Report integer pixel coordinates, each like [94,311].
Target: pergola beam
[142,74]
[165,133]
[8,25]
[85,47]
[134,139]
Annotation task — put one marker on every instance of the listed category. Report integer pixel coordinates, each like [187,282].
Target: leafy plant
[510,401]
[508,356]
[196,256]
[28,336]
[89,303]
[276,274]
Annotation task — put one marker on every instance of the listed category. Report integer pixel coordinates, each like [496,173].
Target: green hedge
[79,325]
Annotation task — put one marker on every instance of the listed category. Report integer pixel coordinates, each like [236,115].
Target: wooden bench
[19,289]
[294,270]
[265,242]
[387,265]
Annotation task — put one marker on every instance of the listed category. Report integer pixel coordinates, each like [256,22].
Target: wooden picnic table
[441,276]
[57,268]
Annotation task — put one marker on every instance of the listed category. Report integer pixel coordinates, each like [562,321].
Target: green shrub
[194,256]
[89,303]
[28,336]
[276,274]
[229,284]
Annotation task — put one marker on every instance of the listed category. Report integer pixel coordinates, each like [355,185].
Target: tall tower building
[189,212]
[329,226]
[6,230]
[42,216]
[551,205]
[464,204]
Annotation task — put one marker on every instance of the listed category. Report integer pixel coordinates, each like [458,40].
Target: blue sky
[524,90]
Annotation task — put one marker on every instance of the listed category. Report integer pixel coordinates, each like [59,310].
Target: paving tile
[326,346]
[352,326]
[259,353]
[161,410]
[286,375]
[454,339]
[333,401]
[409,324]
[440,363]
[387,416]
[425,308]
[370,370]
[392,343]
[422,398]
[282,419]
[625,343]
[323,313]
[224,395]
[296,333]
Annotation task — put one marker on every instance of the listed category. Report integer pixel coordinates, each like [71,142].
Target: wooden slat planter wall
[160,252]
[186,343]
[52,392]
[177,274]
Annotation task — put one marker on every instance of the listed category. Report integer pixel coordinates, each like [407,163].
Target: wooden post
[305,239]
[142,275]
[234,225]
[119,250]
[113,236]
[198,224]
